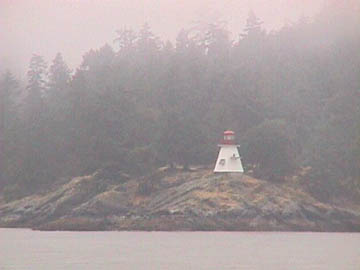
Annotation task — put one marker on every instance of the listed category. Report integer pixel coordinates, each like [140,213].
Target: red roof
[229,132]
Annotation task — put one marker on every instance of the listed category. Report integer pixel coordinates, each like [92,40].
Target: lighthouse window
[229,137]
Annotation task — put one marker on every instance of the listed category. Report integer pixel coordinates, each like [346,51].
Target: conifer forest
[139,102]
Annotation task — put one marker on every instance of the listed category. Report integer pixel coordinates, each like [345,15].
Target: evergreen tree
[8,119]
[147,42]
[253,27]
[59,79]
[59,74]
[8,87]
[126,40]
[216,40]
[35,142]
[148,104]
[268,149]
[34,103]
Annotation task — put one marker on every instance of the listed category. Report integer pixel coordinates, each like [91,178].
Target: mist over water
[141,104]
[25,249]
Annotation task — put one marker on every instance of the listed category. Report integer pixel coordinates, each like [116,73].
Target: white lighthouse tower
[229,159]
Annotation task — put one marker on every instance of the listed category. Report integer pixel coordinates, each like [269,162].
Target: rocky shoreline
[177,201]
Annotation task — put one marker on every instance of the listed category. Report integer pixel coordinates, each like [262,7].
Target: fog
[281,75]
[73,27]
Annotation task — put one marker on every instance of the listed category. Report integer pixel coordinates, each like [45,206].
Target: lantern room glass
[228,137]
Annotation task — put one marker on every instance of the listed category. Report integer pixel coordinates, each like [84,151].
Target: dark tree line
[292,97]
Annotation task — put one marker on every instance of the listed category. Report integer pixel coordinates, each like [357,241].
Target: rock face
[197,200]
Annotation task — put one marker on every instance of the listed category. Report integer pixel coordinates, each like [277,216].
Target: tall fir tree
[59,73]
[58,84]
[126,39]
[8,117]
[253,27]
[34,103]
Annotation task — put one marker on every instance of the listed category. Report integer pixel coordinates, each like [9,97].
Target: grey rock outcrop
[179,200]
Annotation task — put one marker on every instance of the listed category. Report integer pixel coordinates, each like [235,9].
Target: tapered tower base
[228,159]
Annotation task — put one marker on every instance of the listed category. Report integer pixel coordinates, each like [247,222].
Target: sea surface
[26,249]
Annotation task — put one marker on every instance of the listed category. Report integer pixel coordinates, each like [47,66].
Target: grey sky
[75,26]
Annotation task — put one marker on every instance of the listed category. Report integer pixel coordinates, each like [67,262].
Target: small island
[127,137]
[173,199]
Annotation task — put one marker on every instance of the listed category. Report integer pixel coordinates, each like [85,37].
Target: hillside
[168,200]
[292,97]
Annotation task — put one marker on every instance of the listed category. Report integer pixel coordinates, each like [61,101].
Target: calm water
[26,249]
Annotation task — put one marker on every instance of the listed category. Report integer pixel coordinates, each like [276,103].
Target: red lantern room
[229,137]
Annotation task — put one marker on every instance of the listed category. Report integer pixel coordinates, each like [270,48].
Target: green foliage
[59,74]
[149,103]
[182,141]
[269,150]
[8,126]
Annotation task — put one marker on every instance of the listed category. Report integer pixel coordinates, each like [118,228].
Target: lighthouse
[228,159]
